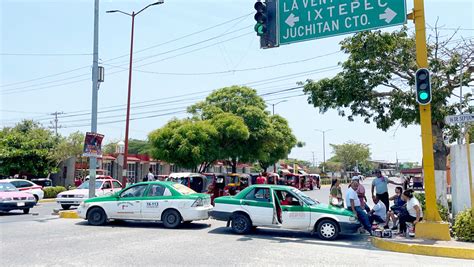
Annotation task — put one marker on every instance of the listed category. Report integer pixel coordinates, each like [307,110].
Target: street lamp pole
[273,113]
[127,121]
[324,147]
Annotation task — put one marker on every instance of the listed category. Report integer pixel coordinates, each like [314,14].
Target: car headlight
[84,204]
[5,198]
[197,203]
[31,198]
[352,219]
[80,196]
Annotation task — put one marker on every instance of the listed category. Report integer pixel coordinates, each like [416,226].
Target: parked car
[27,187]
[285,207]
[74,197]
[13,199]
[44,182]
[169,202]
[195,181]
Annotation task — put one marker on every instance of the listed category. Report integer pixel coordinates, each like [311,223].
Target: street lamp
[324,146]
[273,105]
[127,121]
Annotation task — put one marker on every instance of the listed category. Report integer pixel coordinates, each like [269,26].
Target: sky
[182,51]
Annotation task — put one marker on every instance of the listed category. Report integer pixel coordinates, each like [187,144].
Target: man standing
[380,184]
[353,204]
[150,175]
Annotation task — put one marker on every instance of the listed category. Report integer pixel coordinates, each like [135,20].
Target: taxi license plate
[20,204]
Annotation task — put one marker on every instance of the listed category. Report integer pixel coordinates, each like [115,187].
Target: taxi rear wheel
[171,219]
[241,224]
[96,216]
[327,229]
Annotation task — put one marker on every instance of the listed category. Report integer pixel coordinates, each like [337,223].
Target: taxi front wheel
[327,229]
[96,216]
[171,219]
[241,224]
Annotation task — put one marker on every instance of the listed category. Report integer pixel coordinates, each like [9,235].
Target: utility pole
[314,163]
[324,146]
[55,122]
[95,93]
[432,227]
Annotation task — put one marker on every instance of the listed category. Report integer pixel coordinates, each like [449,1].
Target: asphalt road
[46,240]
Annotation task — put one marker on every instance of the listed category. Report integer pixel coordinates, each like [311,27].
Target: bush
[52,192]
[464,226]
[443,211]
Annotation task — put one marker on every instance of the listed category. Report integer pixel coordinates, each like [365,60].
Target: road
[46,240]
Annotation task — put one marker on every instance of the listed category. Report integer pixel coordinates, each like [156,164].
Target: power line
[45,54]
[136,52]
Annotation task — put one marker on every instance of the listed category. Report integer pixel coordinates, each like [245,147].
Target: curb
[427,250]
[47,200]
[68,214]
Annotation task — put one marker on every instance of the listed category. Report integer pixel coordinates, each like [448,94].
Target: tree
[246,104]
[377,79]
[278,143]
[72,146]
[186,143]
[27,149]
[351,154]
[135,146]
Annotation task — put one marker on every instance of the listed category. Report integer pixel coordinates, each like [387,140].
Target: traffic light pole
[432,227]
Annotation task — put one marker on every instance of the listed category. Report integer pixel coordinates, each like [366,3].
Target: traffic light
[260,18]
[423,86]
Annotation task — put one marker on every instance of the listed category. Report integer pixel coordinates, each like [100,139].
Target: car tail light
[197,203]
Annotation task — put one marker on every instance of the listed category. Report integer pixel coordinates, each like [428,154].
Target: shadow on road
[288,236]
[145,224]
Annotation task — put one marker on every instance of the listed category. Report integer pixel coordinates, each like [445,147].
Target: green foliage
[71,146]
[464,225]
[269,137]
[135,146]
[351,154]
[27,148]
[52,192]
[231,133]
[332,166]
[186,143]
[422,199]
[443,211]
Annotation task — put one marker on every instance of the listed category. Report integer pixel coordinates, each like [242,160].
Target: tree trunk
[234,165]
[441,152]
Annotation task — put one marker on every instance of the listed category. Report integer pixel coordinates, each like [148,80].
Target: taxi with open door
[169,202]
[284,207]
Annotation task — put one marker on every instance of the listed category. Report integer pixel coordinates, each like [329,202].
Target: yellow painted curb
[47,200]
[68,214]
[428,250]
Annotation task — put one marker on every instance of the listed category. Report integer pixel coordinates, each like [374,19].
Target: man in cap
[353,204]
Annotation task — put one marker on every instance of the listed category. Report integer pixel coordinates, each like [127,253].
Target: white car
[103,187]
[169,202]
[27,187]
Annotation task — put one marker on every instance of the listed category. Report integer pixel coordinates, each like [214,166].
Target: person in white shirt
[414,213]
[150,176]
[353,204]
[378,213]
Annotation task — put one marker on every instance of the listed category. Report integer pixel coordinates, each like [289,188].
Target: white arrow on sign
[291,20]
[388,15]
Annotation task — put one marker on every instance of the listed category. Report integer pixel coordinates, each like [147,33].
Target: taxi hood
[325,208]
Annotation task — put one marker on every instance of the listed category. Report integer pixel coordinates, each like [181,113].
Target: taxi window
[107,185]
[259,194]
[183,189]
[116,184]
[135,191]
[155,190]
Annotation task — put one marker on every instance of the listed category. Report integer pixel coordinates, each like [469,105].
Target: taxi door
[106,189]
[259,205]
[156,200]
[128,204]
[297,215]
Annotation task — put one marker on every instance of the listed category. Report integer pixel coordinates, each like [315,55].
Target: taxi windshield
[183,189]
[307,200]
[85,185]
[183,180]
[7,187]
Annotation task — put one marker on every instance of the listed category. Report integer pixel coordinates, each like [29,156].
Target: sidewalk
[451,249]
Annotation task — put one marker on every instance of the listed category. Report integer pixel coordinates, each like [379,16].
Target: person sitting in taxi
[287,201]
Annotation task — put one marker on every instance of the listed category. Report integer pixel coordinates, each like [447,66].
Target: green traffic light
[260,29]
[424,96]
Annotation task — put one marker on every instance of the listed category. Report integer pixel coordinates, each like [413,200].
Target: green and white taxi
[283,207]
[169,202]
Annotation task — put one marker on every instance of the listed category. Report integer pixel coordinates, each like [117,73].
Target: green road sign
[302,20]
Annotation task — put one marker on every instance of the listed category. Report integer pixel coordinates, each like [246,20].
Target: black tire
[327,229]
[65,206]
[187,222]
[241,224]
[36,199]
[171,219]
[96,216]
[26,211]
